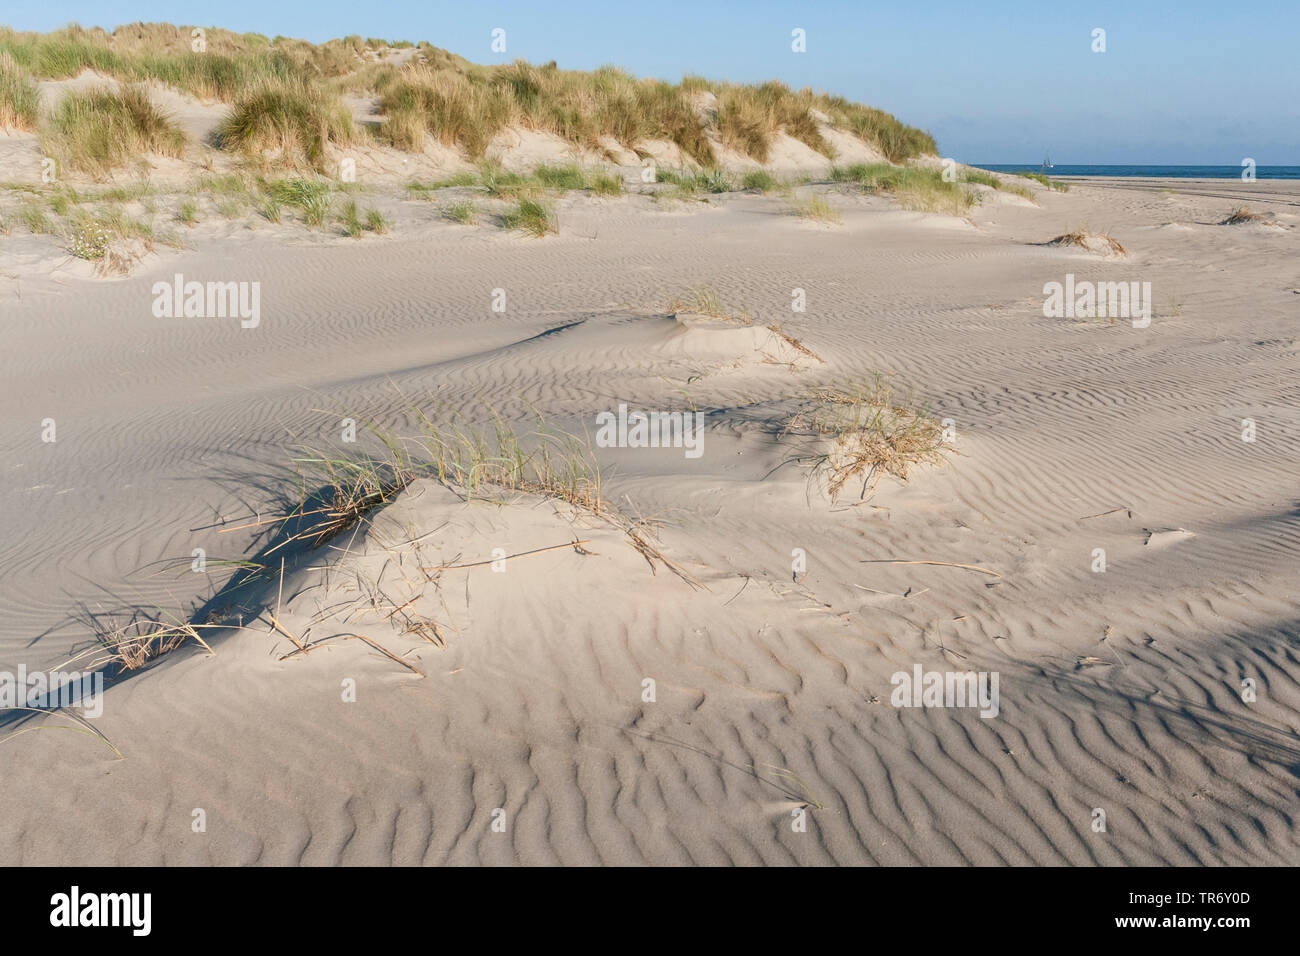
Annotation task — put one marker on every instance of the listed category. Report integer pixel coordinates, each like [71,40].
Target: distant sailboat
[1047,161]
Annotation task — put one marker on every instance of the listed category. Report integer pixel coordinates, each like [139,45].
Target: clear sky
[1193,82]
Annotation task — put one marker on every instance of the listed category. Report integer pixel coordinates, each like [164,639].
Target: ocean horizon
[1146,172]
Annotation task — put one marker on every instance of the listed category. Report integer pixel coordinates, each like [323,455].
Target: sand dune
[1120,691]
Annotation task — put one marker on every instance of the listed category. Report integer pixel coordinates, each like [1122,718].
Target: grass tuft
[872,431]
[818,210]
[532,216]
[96,131]
[292,122]
[465,213]
[18,96]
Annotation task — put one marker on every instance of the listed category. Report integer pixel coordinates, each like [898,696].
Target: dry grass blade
[794,343]
[86,727]
[576,545]
[941,564]
[387,653]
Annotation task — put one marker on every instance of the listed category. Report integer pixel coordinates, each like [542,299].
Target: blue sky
[995,82]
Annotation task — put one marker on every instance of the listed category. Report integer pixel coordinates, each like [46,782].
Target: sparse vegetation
[532,216]
[873,432]
[605,184]
[916,188]
[818,210]
[759,180]
[1053,184]
[690,182]
[1240,216]
[311,195]
[465,213]
[561,178]
[1091,242]
[985,178]
[89,241]
[705,301]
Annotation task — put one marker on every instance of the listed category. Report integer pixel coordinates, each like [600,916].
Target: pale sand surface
[770,693]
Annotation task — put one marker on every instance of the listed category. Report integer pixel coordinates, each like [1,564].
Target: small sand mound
[1244,216]
[1099,243]
[736,340]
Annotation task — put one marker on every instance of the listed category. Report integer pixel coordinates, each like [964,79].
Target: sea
[1152,172]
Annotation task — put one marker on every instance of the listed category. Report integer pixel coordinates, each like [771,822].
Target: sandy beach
[835,508]
[1119,690]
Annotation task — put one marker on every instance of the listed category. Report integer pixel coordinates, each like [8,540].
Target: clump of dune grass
[450,107]
[503,184]
[605,184]
[36,219]
[895,139]
[465,212]
[749,117]
[96,131]
[479,461]
[1053,184]
[308,194]
[914,187]
[135,645]
[873,432]
[188,212]
[292,121]
[705,301]
[759,180]
[315,209]
[818,209]
[356,487]
[1081,238]
[532,216]
[985,178]
[1241,216]
[690,183]
[982,178]
[561,178]
[18,96]
[350,218]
